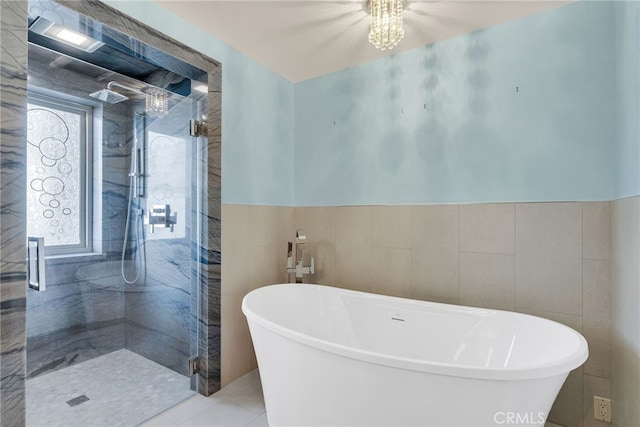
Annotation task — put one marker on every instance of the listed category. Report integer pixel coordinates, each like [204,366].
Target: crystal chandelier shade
[386,23]
[157,101]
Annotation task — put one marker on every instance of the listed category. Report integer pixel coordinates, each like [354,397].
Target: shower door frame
[208,255]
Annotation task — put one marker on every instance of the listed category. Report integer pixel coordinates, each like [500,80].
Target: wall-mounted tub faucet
[298,269]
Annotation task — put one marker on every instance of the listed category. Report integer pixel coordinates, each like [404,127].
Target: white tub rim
[559,366]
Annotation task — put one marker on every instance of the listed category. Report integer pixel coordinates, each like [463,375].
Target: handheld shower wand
[136,191]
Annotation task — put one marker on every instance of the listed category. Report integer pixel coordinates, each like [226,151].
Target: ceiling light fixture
[202,88]
[65,35]
[387,28]
[72,37]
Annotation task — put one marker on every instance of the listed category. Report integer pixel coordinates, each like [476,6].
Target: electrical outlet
[602,409]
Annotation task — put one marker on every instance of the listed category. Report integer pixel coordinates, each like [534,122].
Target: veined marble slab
[13,83]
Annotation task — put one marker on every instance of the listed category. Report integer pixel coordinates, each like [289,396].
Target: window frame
[74,105]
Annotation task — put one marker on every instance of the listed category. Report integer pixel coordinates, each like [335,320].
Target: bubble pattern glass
[54,187]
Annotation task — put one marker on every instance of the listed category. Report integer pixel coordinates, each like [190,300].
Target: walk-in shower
[115,186]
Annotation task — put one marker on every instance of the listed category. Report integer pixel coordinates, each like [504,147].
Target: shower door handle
[35,263]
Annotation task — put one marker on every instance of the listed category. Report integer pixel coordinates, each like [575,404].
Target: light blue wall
[570,133]
[478,140]
[257,113]
[627,90]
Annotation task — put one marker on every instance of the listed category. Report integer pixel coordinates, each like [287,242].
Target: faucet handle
[289,256]
[312,266]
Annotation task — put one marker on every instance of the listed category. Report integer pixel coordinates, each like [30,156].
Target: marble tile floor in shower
[123,389]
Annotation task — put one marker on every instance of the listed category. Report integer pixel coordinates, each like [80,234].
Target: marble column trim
[13,87]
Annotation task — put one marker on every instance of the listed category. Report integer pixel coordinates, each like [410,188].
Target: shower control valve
[161,216]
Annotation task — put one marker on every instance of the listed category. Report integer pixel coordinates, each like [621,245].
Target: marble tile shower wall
[13,85]
[81,314]
[546,259]
[158,309]
[87,310]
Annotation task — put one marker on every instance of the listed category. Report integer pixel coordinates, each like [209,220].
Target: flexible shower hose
[138,259]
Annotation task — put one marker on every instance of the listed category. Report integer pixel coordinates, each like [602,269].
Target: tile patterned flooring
[239,404]
[123,389]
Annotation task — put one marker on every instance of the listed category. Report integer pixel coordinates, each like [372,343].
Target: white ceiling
[302,39]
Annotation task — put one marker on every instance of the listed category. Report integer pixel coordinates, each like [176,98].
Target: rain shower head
[156,99]
[109,96]
[112,97]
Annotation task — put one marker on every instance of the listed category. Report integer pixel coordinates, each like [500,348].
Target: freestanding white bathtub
[334,357]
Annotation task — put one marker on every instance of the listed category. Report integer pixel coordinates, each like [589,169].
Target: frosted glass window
[57,180]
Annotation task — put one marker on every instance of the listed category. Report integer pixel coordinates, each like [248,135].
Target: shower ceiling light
[65,35]
[72,37]
[157,101]
[202,88]
[387,28]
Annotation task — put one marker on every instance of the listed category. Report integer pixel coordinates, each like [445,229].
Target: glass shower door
[163,310]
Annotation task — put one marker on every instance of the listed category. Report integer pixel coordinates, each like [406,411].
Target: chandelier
[386,23]
[156,101]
